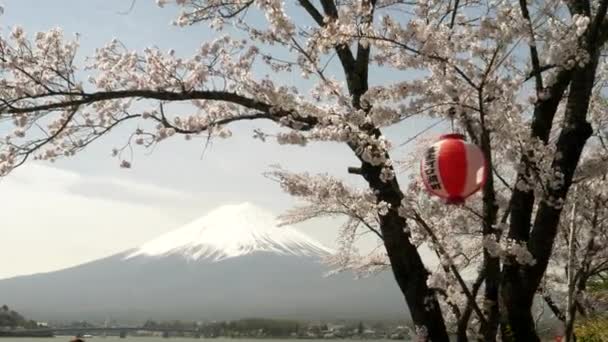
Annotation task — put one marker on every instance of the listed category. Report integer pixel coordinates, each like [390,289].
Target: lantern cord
[451,114]
[421,132]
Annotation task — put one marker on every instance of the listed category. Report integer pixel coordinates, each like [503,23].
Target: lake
[153,339]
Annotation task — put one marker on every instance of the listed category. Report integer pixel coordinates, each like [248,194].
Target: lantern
[453,169]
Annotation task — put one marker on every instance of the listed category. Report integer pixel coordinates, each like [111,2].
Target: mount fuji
[232,231]
[234,262]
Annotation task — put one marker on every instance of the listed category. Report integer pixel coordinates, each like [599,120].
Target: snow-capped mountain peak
[230,231]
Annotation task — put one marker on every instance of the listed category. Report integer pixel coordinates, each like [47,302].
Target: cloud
[52,218]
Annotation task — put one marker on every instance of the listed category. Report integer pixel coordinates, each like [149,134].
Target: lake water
[155,339]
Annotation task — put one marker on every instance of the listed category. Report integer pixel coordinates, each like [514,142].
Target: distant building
[329,335]
[369,333]
[400,333]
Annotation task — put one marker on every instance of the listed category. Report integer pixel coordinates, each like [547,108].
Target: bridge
[116,331]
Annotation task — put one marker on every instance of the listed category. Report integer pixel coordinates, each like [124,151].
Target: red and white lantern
[453,169]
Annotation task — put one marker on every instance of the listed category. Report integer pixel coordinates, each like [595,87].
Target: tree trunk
[570,324]
[406,263]
[491,263]
[411,276]
[571,308]
[461,334]
[521,281]
[517,322]
[489,330]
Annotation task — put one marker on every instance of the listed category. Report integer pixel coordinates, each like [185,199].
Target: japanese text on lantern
[429,169]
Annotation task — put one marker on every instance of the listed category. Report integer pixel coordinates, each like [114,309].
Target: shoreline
[44,333]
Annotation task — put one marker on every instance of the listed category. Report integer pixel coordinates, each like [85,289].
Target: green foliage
[267,326]
[12,319]
[599,283]
[592,330]
[595,329]
[508,333]
[170,325]
[243,327]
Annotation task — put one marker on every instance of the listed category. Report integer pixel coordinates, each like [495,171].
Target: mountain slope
[230,264]
[232,231]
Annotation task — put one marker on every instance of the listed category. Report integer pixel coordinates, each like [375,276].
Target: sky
[75,210]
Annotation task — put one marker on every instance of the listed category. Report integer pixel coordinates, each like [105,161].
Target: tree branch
[355,170]
[88,98]
[461,282]
[312,10]
[463,323]
[599,19]
[579,7]
[363,52]
[542,122]
[266,110]
[554,308]
[346,56]
[536,69]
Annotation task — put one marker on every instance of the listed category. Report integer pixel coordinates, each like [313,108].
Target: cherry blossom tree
[522,79]
[581,253]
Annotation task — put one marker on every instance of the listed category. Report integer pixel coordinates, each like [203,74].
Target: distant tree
[594,327]
[580,258]
[150,324]
[12,318]
[598,293]
[360,328]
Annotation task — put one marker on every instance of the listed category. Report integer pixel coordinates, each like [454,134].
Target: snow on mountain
[230,231]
